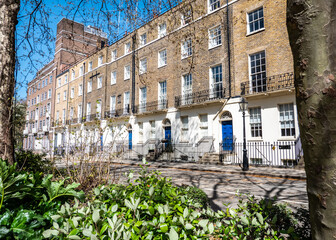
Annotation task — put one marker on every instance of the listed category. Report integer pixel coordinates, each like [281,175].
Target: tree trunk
[8,20]
[312,32]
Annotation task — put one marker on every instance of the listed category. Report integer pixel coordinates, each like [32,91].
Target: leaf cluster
[27,200]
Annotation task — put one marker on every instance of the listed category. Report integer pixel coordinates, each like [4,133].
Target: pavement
[275,172]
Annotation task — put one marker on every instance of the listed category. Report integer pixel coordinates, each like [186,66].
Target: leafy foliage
[151,207]
[28,200]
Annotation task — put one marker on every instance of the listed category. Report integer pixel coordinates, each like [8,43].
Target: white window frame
[72,93]
[162,30]
[126,102]
[113,104]
[162,94]
[255,122]
[259,20]
[64,95]
[184,129]
[90,66]
[143,39]
[81,70]
[49,93]
[213,5]
[99,82]
[73,75]
[127,72]
[89,88]
[152,128]
[287,120]
[114,55]
[143,66]
[186,17]
[186,88]
[88,111]
[80,90]
[59,82]
[127,48]
[216,86]
[186,48]
[143,99]
[58,97]
[100,60]
[113,77]
[162,59]
[257,85]
[215,37]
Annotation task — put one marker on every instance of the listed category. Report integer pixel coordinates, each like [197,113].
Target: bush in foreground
[153,208]
[27,200]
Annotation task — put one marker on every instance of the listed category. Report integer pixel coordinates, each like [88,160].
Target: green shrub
[151,207]
[32,162]
[198,195]
[28,200]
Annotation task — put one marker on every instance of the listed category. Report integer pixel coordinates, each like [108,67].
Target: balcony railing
[217,92]
[268,84]
[118,112]
[151,106]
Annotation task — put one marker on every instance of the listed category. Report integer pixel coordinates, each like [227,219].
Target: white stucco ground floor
[192,131]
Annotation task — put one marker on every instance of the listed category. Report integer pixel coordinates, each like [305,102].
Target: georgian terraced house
[171,88]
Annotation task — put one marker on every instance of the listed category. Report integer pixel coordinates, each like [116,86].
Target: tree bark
[312,31]
[8,19]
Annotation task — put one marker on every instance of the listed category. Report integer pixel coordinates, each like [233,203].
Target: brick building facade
[172,87]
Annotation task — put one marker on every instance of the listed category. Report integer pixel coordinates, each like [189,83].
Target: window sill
[113,84]
[287,138]
[210,48]
[185,57]
[162,66]
[127,79]
[255,139]
[255,32]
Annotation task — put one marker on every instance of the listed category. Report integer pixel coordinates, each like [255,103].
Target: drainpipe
[228,46]
[133,72]
[83,92]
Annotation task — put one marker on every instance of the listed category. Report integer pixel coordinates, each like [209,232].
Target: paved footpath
[221,182]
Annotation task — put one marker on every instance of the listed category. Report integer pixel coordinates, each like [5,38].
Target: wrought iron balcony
[118,112]
[146,107]
[268,84]
[215,93]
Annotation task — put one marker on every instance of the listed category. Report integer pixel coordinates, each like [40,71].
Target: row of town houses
[172,88]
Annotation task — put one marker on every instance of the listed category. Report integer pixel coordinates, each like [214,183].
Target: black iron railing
[268,84]
[282,153]
[151,106]
[118,112]
[217,92]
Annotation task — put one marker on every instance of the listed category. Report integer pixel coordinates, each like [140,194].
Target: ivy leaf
[244,220]
[211,228]
[114,208]
[95,215]
[185,212]
[173,234]
[260,218]
[188,226]
[164,227]
[50,232]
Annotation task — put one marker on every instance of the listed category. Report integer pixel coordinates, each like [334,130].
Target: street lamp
[243,108]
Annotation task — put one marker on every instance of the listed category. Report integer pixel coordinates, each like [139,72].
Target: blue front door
[130,140]
[168,136]
[227,138]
